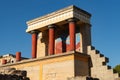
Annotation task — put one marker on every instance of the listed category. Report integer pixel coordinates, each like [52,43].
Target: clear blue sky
[105,24]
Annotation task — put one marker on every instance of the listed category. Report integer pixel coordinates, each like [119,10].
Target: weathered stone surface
[13,74]
[82,78]
[99,69]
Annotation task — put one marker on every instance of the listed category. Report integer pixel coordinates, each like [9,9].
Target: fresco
[62,43]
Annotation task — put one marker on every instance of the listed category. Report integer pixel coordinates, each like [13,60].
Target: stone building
[62,49]
[10,58]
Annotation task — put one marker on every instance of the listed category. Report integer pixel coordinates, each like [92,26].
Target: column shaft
[34,44]
[18,56]
[72,35]
[4,61]
[51,41]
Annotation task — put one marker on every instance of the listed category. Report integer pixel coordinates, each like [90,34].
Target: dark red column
[4,61]
[18,56]
[72,34]
[34,44]
[51,40]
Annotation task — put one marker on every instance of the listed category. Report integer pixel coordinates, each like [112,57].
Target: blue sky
[105,24]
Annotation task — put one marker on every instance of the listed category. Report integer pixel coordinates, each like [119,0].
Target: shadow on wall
[82,78]
[12,77]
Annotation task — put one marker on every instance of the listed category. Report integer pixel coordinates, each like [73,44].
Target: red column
[51,40]
[4,61]
[34,44]
[72,34]
[18,56]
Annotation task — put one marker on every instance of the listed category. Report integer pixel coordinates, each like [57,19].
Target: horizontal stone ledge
[48,57]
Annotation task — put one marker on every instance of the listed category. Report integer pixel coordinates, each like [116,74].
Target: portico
[60,29]
[61,50]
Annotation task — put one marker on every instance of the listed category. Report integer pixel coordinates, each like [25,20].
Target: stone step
[116,75]
[89,48]
[110,71]
[92,47]
[104,59]
[97,51]
[93,52]
[99,65]
[109,67]
[114,71]
[100,68]
[104,63]
[105,67]
[99,55]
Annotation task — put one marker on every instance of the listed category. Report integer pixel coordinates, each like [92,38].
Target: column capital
[34,31]
[51,26]
[72,20]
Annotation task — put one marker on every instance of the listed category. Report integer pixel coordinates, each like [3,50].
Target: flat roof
[58,16]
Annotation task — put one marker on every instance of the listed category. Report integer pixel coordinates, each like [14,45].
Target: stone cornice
[58,16]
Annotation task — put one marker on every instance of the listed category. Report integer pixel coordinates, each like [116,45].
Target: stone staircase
[99,67]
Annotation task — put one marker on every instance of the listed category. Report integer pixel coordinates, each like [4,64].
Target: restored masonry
[61,50]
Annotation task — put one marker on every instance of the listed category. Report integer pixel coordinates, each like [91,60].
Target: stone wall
[57,67]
